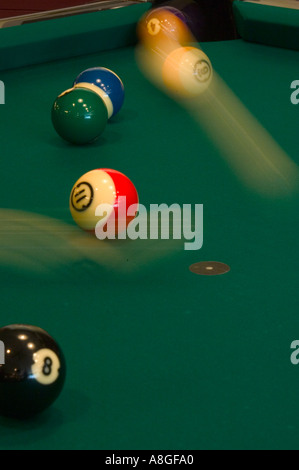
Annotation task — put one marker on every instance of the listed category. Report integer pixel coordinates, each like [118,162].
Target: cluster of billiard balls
[80,114]
[181,69]
[34,372]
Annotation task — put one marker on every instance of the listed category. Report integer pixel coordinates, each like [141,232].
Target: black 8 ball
[34,372]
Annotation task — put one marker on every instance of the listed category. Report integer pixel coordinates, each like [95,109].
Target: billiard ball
[107,84]
[100,199]
[163,27]
[79,116]
[187,72]
[34,372]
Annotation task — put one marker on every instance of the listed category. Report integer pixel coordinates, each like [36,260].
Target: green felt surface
[158,358]
[266,24]
[44,41]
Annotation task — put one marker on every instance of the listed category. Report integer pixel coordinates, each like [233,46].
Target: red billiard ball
[101,198]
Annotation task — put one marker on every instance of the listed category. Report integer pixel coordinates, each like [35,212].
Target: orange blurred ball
[164,28]
[187,72]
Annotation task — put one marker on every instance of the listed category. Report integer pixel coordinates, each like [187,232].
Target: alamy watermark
[295,94]
[295,353]
[160,222]
[2,353]
[2,92]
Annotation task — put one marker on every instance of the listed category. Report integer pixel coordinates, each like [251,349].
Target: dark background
[23,7]
[212,19]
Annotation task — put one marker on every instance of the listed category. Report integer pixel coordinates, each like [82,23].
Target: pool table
[9,9]
[158,357]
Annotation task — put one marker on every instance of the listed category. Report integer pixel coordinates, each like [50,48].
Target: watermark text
[2,353]
[295,353]
[295,94]
[2,92]
[159,222]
